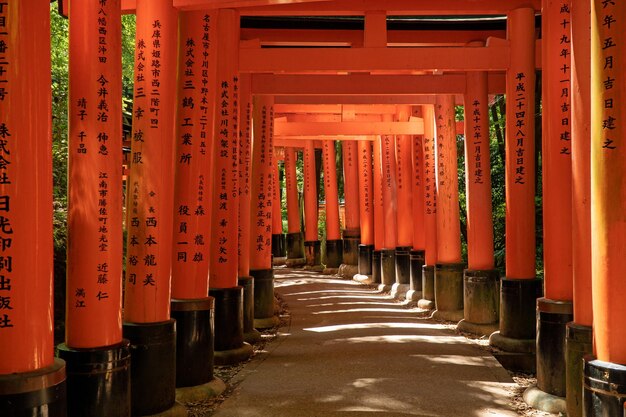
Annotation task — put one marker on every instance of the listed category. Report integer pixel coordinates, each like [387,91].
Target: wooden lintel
[361,100]
[350,129]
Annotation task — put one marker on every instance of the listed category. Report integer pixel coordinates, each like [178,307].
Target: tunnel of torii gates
[223,90]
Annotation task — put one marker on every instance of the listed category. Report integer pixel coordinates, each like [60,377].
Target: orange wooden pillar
[191,307]
[430,210]
[404,198]
[481,295]
[390,206]
[520,288]
[149,210]
[555,309]
[28,367]
[366,206]
[379,218]
[278,237]
[262,184]
[449,269]
[334,244]
[295,249]
[250,334]
[608,205]
[223,265]
[312,250]
[578,335]
[352,228]
[417,212]
[94,264]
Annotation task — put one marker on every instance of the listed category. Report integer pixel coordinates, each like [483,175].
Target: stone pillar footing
[250,334]
[40,393]
[388,268]
[350,251]
[313,254]
[604,388]
[552,316]
[152,366]
[544,401]
[91,392]
[365,259]
[229,345]
[377,267]
[202,392]
[403,265]
[428,288]
[295,262]
[449,290]
[263,296]
[348,271]
[447,315]
[416,259]
[413,295]
[334,253]
[194,341]
[481,302]
[399,290]
[295,248]
[578,344]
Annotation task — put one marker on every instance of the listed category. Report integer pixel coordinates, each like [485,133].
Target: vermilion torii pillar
[94,266]
[379,218]
[352,228]
[147,322]
[604,374]
[520,288]
[250,334]
[366,207]
[295,250]
[578,335]
[449,269]
[417,204]
[28,368]
[481,297]
[311,242]
[223,265]
[278,237]
[334,244]
[191,307]
[430,210]
[390,208]
[262,182]
[555,309]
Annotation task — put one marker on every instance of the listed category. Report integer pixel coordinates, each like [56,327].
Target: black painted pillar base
[365,259]
[403,265]
[98,380]
[229,345]
[416,260]
[264,317]
[152,366]
[427,301]
[194,341]
[449,292]
[578,344]
[250,334]
[295,245]
[377,267]
[334,253]
[518,331]
[604,388]
[351,239]
[481,302]
[40,393]
[313,255]
[388,268]
[278,245]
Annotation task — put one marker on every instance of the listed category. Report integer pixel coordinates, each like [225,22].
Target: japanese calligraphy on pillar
[611,33]
[365,177]
[521,108]
[441,148]
[245,162]
[564,58]
[430,190]
[477,141]
[388,142]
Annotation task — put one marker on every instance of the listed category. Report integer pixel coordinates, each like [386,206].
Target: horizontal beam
[337,109]
[334,129]
[363,84]
[333,60]
[361,100]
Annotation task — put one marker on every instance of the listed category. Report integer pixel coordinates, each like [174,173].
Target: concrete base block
[543,401]
[508,344]
[233,356]
[384,287]
[295,262]
[413,295]
[474,328]
[447,315]
[330,271]
[314,268]
[426,304]
[178,410]
[399,290]
[363,279]
[279,261]
[252,337]
[517,354]
[201,392]
[266,323]
[348,271]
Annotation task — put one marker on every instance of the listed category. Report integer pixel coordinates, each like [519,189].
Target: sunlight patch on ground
[357,326]
[454,359]
[398,339]
[360,310]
